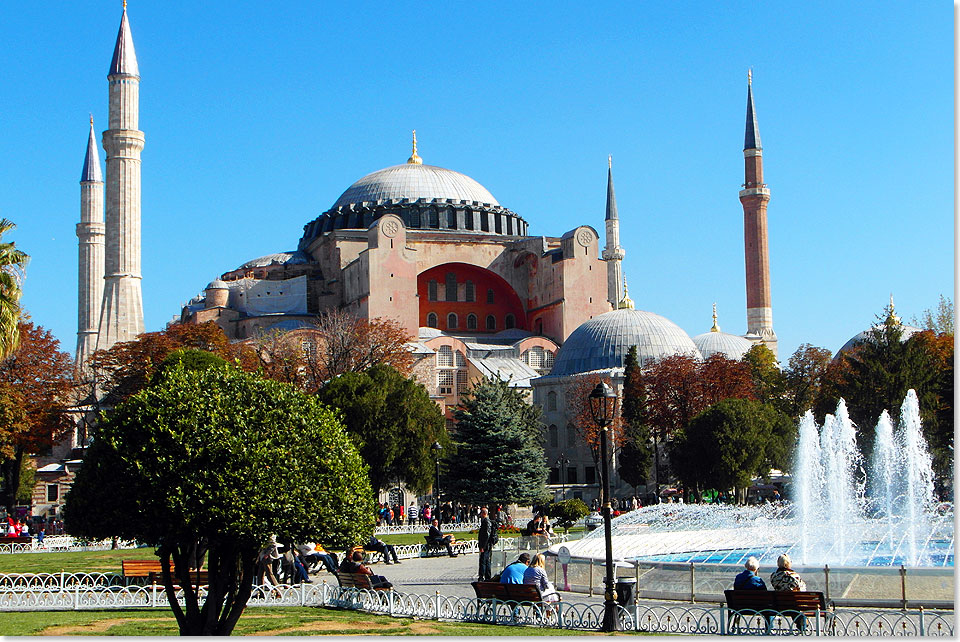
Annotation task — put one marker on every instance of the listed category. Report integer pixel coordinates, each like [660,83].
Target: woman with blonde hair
[785,578]
[537,575]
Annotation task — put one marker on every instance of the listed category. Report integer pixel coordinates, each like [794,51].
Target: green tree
[940,320]
[768,380]
[393,421]
[13,262]
[218,459]
[805,374]
[499,456]
[730,443]
[636,453]
[567,512]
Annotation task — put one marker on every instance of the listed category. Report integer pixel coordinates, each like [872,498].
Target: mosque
[432,249]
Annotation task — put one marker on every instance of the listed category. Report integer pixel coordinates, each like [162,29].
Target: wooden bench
[799,605]
[432,546]
[507,592]
[18,539]
[152,571]
[358,581]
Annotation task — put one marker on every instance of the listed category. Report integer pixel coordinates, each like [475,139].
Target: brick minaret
[754,196]
[121,317]
[90,235]
[613,254]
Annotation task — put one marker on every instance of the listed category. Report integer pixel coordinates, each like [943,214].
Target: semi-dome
[731,346]
[296,257]
[413,182]
[603,341]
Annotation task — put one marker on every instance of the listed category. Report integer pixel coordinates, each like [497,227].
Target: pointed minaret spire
[91,161]
[613,254]
[414,159]
[892,312]
[751,137]
[626,303]
[124,55]
[121,312]
[715,327]
[90,234]
[754,197]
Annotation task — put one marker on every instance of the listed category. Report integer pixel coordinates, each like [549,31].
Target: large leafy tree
[499,455]
[805,375]
[393,421]
[577,395]
[636,453]
[769,382]
[13,262]
[217,459]
[730,443]
[35,384]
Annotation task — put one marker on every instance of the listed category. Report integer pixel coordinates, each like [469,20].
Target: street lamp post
[603,401]
[436,448]
[561,462]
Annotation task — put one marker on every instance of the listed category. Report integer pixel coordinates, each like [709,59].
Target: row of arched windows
[554,436]
[453,321]
[450,288]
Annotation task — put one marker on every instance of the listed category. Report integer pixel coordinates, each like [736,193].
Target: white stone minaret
[613,254]
[121,317]
[90,235]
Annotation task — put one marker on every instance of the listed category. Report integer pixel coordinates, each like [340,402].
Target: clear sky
[257,115]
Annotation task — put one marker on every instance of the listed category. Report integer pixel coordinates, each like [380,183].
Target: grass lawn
[72,562]
[254,621]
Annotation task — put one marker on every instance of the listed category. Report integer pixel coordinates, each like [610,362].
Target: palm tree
[13,262]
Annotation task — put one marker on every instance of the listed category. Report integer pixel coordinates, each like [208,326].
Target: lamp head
[602,403]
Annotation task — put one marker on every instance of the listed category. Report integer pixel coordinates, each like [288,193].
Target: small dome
[295,257]
[217,284]
[603,342]
[414,181]
[908,331]
[729,345]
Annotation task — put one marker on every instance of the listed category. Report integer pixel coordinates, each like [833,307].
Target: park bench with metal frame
[152,571]
[798,605]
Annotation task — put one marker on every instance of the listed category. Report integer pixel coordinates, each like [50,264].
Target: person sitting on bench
[513,573]
[354,564]
[436,536]
[748,579]
[378,546]
[785,578]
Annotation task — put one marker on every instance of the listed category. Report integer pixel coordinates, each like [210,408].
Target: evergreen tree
[499,456]
[636,452]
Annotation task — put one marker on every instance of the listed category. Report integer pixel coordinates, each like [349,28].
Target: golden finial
[124,5]
[626,303]
[893,314]
[715,327]
[414,159]
[91,120]
[749,76]
[610,161]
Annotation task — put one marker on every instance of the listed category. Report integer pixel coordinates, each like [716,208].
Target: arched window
[471,322]
[571,436]
[491,322]
[445,357]
[451,287]
[470,294]
[551,400]
[432,291]
[509,321]
[554,440]
[432,320]
[548,360]
[489,296]
[451,321]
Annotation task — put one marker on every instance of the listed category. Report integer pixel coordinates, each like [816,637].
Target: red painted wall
[505,299]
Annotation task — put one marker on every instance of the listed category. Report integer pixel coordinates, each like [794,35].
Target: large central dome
[414,182]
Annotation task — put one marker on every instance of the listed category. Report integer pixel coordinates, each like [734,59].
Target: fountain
[833,517]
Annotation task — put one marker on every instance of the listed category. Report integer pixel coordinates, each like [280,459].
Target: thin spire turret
[613,254]
[751,137]
[414,159]
[715,328]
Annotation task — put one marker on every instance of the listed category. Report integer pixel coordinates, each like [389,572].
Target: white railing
[686,619]
[61,543]
[422,529]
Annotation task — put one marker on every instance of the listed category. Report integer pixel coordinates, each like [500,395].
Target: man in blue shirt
[748,579]
[513,574]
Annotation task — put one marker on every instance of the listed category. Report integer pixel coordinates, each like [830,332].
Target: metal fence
[680,619]
[61,543]
[458,527]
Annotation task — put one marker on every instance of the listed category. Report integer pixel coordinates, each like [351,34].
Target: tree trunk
[11,479]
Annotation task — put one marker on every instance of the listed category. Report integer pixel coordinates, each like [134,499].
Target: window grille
[432,320]
[445,381]
[461,381]
[445,357]
[432,288]
[451,287]
[471,292]
[471,322]
[451,321]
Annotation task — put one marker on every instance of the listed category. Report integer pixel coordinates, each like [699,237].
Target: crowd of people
[447,513]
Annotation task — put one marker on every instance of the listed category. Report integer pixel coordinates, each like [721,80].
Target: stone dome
[603,341]
[412,181]
[908,331]
[296,257]
[217,284]
[731,346]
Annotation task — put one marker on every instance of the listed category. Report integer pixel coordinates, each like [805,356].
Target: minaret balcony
[761,190]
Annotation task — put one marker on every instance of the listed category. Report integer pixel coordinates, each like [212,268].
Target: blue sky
[258,115]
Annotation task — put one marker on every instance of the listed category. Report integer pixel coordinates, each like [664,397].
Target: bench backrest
[757,600]
[142,568]
[802,601]
[354,580]
[507,592]
[749,600]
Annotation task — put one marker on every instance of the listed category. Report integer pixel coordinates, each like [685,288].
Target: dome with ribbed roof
[731,346]
[603,341]
[412,181]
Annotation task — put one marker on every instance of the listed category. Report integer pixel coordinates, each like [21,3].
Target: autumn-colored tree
[337,343]
[805,374]
[769,382]
[127,368]
[35,386]
[577,395]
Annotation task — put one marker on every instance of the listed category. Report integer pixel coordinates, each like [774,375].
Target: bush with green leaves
[217,460]
[567,512]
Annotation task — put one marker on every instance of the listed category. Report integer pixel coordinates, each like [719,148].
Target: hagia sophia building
[434,250]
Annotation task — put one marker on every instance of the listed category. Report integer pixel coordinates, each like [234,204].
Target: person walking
[486,538]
